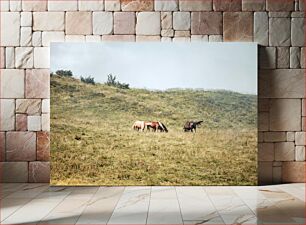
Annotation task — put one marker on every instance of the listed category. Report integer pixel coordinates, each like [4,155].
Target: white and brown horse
[156,126]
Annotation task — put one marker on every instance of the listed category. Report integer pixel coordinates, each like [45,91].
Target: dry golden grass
[92,142]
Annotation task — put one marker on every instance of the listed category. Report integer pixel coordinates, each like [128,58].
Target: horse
[191,126]
[156,126]
[139,126]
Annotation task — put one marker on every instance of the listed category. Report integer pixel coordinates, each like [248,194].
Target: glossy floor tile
[41,204]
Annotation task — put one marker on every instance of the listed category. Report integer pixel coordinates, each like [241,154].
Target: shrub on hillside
[88,80]
[111,81]
[64,73]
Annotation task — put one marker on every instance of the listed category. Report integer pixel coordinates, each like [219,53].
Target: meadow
[93,143]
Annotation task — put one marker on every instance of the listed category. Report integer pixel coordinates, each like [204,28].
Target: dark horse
[191,126]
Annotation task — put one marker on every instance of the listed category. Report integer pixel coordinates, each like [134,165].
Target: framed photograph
[153,113]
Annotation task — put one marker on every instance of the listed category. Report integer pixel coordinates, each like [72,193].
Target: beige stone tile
[263,121]
[12,83]
[261,28]
[24,57]
[43,146]
[91,5]
[297,32]
[281,83]
[147,38]
[273,5]
[28,106]
[2,146]
[39,172]
[300,153]
[283,57]
[2,57]
[21,122]
[253,5]
[170,5]
[290,136]
[75,38]
[78,23]
[275,136]
[181,21]
[199,38]
[26,19]
[57,36]
[181,39]
[300,138]
[34,5]
[41,57]
[102,23]
[20,146]
[112,5]
[293,172]
[37,83]
[9,206]
[266,152]
[148,23]
[45,122]
[34,123]
[124,22]
[284,151]
[206,23]
[37,39]
[285,115]
[25,36]
[166,20]
[5,5]
[93,38]
[279,32]
[9,57]
[55,5]
[238,26]
[137,5]
[267,57]
[7,114]
[14,172]
[215,38]
[264,173]
[227,5]
[48,21]
[10,28]
[46,106]
[204,5]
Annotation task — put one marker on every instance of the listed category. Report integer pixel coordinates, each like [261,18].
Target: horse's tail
[134,124]
[163,127]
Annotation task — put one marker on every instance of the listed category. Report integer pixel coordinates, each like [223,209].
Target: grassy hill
[93,143]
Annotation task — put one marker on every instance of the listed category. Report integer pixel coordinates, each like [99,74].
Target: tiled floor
[41,204]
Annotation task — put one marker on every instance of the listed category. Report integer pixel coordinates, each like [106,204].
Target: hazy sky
[229,66]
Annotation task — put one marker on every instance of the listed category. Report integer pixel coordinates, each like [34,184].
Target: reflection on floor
[41,204]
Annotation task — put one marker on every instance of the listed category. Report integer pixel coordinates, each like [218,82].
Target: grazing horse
[139,125]
[192,125]
[156,126]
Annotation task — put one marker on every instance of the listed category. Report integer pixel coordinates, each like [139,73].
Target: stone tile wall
[28,27]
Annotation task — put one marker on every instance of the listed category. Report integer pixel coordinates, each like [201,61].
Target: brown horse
[155,126]
[192,125]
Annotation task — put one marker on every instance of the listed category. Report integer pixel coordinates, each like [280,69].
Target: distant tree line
[111,80]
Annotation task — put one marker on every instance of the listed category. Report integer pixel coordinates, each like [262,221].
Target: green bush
[88,80]
[111,81]
[64,73]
